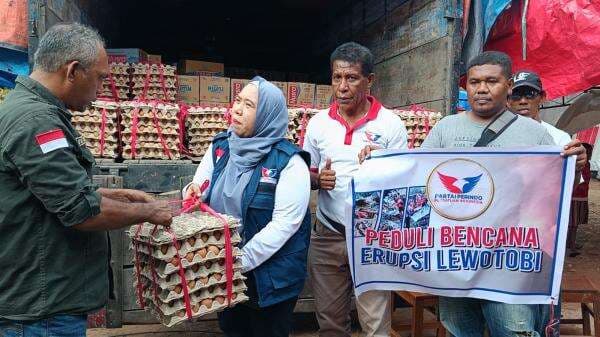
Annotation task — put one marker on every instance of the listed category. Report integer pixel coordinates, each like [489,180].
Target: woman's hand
[193,189]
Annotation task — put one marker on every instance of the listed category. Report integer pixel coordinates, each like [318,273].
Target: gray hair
[64,43]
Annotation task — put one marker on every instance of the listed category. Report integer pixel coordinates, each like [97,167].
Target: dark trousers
[249,320]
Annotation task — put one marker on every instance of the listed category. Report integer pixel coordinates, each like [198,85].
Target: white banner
[484,223]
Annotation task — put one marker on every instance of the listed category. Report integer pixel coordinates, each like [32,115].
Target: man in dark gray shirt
[488,86]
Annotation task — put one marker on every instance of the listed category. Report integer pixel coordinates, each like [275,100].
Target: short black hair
[355,53]
[493,57]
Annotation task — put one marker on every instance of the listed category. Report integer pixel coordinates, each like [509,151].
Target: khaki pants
[331,283]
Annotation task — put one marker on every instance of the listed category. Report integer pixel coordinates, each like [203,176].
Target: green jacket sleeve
[45,156]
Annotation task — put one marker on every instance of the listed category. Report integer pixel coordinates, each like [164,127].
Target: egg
[164,249]
[217,235]
[214,249]
[233,296]
[204,237]
[218,276]
[202,252]
[191,241]
[204,280]
[181,313]
[195,268]
[208,264]
[207,303]
[195,308]
[220,299]
[221,262]
[190,256]
[175,261]
[177,289]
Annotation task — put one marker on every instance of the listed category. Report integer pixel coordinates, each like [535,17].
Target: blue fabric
[282,276]
[59,326]
[270,127]
[468,317]
[12,63]
[482,17]
[491,11]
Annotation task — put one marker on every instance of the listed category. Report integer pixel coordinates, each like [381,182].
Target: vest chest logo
[219,152]
[268,176]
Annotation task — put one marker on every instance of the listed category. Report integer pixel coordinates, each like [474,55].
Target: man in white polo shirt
[526,99]
[356,122]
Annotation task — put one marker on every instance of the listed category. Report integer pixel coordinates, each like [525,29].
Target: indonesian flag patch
[51,140]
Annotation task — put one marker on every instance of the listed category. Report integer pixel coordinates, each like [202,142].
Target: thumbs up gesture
[327,177]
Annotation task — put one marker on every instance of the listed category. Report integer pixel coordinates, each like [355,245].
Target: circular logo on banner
[460,189]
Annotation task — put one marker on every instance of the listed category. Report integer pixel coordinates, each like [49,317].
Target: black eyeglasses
[530,94]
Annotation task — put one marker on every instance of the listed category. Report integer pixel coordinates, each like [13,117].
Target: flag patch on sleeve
[51,140]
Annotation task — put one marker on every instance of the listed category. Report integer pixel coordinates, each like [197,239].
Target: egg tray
[155,94]
[202,286]
[121,94]
[198,310]
[204,134]
[196,109]
[163,111]
[183,226]
[151,138]
[119,68]
[138,81]
[201,142]
[166,267]
[217,292]
[150,154]
[202,240]
[204,125]
[142,68]
[168,131]
[195,271]
[94,138]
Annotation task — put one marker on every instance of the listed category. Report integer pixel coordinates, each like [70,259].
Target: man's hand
[366,152]
[126,195]
[575,148]
[160,213]
[327,177]
[193,189]
[137,196]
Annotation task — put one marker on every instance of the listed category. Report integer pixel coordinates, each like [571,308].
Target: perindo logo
[460,189]
[217,89]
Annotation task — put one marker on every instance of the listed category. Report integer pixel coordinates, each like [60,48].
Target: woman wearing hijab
[258,176]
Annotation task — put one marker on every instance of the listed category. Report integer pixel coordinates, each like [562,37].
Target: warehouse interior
[282,37]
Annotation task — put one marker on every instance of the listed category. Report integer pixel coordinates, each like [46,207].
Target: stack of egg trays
[418,124]
[148,77]
[89,125]
[202,125]
[119,72]
[148,143]
[201,254]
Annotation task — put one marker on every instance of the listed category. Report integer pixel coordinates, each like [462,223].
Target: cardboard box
[323,96]
[201,68]
[123,55]
[300,94]
[236,86]
[154,59]
[283,86]
[188,89]
[215,89]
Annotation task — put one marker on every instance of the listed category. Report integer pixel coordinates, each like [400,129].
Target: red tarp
[563,42]
[13,24]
